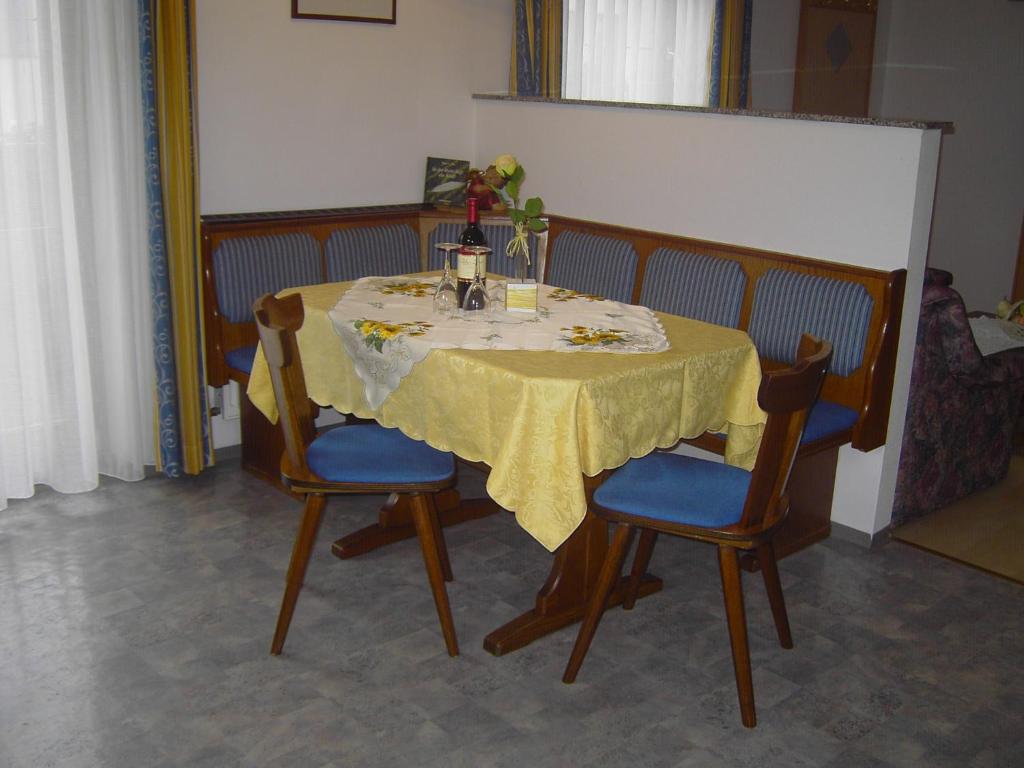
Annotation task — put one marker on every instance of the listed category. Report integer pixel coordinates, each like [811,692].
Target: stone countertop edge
[945,127]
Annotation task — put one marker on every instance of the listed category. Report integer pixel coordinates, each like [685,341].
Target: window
[653,51]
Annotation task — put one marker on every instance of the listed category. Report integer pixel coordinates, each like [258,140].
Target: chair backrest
[786,395]
[278,320]
[694,285]
[604,266]
[383,250]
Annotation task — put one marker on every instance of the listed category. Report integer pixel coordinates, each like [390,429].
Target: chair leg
[422,512]
[772,584]
[606,581]
[442,546]
[732,589]
[644,550]
[303,547]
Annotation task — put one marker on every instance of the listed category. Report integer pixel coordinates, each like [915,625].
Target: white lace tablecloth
[387,325]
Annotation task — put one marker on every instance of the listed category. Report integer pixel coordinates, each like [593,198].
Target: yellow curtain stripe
[732,53]
[551,55]
[177,164]
[549,38]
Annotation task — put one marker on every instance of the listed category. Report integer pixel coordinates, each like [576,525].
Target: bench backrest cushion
[604,266]
[384,250]
[787,304]
[248,267]
[694,285]
[498,237]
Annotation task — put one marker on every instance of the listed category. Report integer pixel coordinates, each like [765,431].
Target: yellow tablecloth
[541,420]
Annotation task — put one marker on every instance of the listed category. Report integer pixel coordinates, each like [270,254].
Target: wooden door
[835,51]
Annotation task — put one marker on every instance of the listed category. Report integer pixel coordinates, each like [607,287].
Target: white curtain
[654,51]
[76,365]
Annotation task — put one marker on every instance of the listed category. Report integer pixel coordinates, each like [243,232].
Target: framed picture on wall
[375,11]
[445,181]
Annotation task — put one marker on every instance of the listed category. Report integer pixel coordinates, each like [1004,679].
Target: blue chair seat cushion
[677,489]
[241,358]
[370,453]
[827,418]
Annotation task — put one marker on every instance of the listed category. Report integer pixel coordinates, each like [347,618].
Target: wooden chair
[360,458]
[717,503]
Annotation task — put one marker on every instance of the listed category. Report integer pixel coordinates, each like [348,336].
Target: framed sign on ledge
[375,11]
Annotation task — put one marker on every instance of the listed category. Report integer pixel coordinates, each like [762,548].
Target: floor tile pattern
[135,623]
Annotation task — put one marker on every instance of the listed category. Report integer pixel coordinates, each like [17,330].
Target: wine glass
[476,296]
[446,297]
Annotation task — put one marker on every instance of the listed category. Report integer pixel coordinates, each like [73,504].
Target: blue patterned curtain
[537,48]
[171,457]
[730,54]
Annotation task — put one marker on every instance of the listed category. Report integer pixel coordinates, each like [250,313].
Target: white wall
[319,114]
[941,60]
[313,114]
[849,193]
[957,61]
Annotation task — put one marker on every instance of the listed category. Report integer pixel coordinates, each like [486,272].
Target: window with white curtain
[653,51]
[76,359]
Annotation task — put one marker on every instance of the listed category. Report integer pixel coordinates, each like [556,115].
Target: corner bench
[772,296]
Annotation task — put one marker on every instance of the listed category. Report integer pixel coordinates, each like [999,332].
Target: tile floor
[135,623]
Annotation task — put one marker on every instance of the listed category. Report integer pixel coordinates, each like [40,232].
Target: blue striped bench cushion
[241,358]
[787,304]
[248,267]
[694,285]
[356,252]
[825,419]
[498,237]
[588,263]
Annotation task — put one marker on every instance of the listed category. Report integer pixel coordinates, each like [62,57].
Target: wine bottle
[466,263]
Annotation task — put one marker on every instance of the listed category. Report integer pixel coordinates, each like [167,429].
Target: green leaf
[512,189]
[517,177]
[534,207]
[517,216]
[536,225]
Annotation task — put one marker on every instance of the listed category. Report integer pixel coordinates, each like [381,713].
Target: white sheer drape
[654,51]
[76,367]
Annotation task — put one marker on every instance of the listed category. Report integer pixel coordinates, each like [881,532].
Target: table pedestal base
[395,522]
[563,598]
[524,629]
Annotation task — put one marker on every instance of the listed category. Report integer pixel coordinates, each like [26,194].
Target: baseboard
[860,538]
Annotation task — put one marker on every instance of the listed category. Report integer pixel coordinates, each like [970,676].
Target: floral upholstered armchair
[962,410]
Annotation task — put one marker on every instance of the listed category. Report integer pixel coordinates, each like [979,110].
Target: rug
[984,530]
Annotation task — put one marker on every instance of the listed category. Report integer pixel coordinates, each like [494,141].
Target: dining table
[547,425]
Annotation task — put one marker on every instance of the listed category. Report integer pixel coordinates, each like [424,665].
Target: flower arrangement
[1013,313]
[503,178]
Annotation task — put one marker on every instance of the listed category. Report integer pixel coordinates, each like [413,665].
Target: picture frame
[372,11]
[445,182]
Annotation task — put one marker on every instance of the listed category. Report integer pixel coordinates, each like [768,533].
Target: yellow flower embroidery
[582,336]
[376,332]
[407,289]
[564,294]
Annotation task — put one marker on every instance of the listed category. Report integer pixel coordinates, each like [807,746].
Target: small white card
[521,297]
